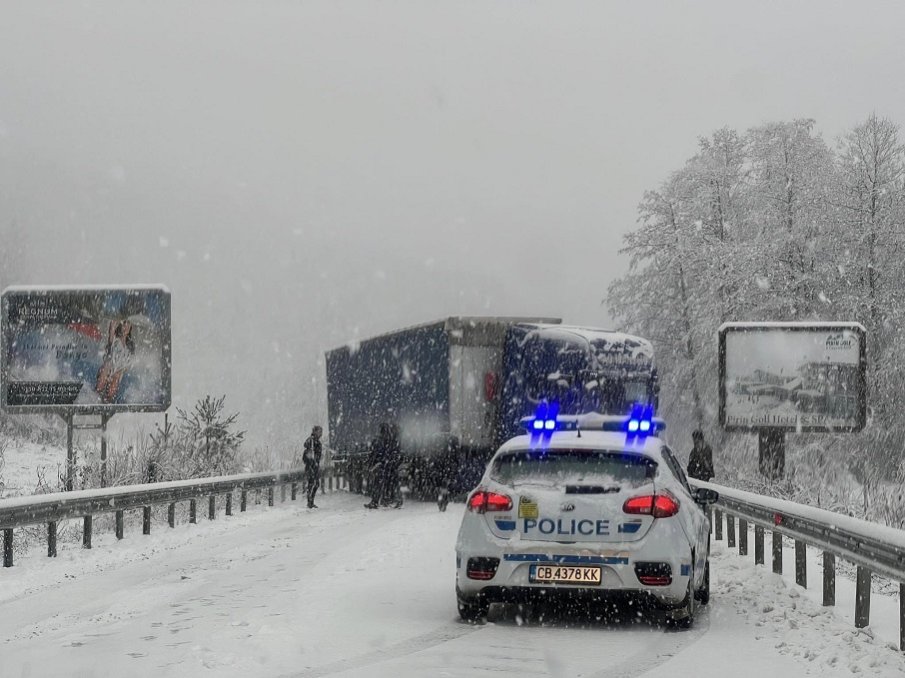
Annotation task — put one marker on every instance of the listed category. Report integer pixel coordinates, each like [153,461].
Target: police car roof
[589,440]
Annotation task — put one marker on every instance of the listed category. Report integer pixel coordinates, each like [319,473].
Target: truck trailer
[457,388]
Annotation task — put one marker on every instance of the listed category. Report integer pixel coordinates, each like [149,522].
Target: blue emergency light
[637,425]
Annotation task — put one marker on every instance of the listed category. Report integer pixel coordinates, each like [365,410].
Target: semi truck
[458,387]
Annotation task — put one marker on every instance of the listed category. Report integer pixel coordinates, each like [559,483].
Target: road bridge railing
[50,509]
[872,548]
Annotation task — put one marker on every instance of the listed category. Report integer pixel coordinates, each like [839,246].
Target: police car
[585,508]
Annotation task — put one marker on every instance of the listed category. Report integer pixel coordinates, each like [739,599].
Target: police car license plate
[564,574]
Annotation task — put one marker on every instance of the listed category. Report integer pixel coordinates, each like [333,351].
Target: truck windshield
[572,466]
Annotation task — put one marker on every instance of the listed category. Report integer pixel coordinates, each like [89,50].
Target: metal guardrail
[19,512]
[871,547]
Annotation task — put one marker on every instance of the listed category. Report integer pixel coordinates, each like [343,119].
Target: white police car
[585,508]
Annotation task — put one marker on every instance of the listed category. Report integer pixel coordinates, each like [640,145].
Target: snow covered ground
[346,592]
[23,464]
[815,640]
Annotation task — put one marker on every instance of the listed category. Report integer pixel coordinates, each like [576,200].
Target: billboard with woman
[84,350]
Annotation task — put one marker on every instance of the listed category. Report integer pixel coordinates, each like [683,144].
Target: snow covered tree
[775,225]
[790,168]
[207,437]
[656,298]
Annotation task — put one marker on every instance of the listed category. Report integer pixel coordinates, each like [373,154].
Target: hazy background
[304,173]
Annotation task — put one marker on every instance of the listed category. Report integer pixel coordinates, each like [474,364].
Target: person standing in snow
[384,466]
[392,491]
[312,459]
[700,462]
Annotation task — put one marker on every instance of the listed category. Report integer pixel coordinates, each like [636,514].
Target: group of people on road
[385,461]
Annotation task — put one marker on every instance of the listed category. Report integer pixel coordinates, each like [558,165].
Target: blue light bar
[635,426]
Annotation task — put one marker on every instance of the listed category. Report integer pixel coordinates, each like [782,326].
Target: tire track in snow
[425,641]
[666,646]
[669,644]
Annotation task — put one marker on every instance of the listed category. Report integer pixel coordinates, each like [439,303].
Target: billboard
[85,350]
[793,376]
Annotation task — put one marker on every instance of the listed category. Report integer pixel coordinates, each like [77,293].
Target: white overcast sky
[303,173]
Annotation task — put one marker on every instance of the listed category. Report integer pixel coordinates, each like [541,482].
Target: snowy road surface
[344,592]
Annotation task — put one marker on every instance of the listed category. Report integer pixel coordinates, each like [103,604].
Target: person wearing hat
[700,462]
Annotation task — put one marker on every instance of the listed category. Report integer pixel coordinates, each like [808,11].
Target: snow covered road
[344,592]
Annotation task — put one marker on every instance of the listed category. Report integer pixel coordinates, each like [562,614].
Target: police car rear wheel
[473,611]
[703,594]
[683,617]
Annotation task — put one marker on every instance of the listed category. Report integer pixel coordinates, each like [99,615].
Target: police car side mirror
[704,496]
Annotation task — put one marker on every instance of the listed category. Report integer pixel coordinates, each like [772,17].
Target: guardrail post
[86,532]
[193,511]
[902,617]
[730,530]
[146,520]
[742,537]
[119,524]
[829,578]
[244,500]
[862,598]
[7,547]
[52,539]
[801,563]
[229,503]
[282,493]
[270,496]
[777,552]
[212,507]
[718,524]
[294,488]
[758,545]
[171,515]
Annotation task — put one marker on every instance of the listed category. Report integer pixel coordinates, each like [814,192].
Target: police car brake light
[483,501]
[656,505]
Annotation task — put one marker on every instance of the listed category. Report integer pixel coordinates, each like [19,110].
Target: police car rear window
[573,466]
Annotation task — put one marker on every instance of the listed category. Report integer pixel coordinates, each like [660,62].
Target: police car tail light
[656,505]
[482,569]
[654,574]
[483,501]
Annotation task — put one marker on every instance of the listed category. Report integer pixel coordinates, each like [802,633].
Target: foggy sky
[301,174]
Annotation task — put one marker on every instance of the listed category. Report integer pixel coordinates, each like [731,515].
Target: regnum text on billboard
[84,350]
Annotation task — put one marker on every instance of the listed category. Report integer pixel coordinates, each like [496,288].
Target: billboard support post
[70,453]
[771,447]
[104,419]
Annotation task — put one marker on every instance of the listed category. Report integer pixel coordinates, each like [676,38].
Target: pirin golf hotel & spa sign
[801,377]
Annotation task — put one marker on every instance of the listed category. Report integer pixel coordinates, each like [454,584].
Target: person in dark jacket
[392,490]
[384,466]
[312,458]
[377,463]
[700,462]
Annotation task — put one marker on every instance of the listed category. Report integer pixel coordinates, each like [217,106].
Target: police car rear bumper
[573,598]
[619,573]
